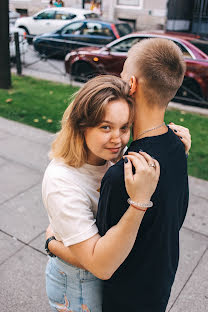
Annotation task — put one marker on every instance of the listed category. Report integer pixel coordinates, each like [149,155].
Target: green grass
[41,104]
[198,126]
[38,103]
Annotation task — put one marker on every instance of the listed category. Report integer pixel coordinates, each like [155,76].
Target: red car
[87,62]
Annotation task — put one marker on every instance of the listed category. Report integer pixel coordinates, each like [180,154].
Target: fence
[50,60]
[200,17]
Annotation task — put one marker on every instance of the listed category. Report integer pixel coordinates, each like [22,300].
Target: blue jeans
[71,289]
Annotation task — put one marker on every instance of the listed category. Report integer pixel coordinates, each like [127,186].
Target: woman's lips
[114,150]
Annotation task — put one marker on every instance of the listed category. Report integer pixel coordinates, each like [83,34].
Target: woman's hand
[49,232]
[183,134]
[141,185]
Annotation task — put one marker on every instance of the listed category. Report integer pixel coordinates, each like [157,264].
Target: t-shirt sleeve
[113,199]
[69,210]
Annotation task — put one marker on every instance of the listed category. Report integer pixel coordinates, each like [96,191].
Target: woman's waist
[73,269]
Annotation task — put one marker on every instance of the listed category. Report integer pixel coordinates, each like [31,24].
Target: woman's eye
[105,127]
[125,128]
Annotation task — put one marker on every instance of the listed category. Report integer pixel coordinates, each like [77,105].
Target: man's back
[143,282]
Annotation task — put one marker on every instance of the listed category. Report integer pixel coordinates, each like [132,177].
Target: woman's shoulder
[58,172]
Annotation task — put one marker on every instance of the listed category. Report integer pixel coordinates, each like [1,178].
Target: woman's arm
[103,255]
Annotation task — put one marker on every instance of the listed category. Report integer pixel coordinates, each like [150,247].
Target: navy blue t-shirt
[143,282]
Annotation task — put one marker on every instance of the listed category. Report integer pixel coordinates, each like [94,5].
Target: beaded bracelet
[140,205]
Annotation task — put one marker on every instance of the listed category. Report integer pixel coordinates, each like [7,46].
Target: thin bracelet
[140,205]
[138,208]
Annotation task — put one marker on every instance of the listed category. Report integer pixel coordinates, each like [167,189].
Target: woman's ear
[133,85]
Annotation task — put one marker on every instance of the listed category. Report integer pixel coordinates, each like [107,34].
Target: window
[73,29]
[123,29]
[125,45]
[186,54]
[129,2]
[64,16]
[96,29]
[46,15]
[91,15]
[201,44]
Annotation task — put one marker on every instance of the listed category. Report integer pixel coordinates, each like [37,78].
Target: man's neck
[147,118]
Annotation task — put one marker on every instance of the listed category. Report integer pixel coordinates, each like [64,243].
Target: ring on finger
[152,165]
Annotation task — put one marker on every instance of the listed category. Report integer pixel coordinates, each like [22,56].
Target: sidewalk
[23,220]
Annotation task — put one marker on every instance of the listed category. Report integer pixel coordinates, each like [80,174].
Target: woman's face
[106,140]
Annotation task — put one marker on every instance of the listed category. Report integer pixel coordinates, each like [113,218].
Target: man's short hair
[160,64]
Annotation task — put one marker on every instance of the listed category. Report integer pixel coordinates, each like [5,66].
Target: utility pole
[5,73]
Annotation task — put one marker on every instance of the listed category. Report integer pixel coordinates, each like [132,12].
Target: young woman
[95,130]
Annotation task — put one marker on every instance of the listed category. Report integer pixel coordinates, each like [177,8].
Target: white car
[51,19]
[23,45]
[13,16]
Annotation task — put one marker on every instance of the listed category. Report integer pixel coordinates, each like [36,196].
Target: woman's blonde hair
[87,110]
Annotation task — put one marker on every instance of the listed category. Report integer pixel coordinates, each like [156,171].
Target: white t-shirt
[70,196]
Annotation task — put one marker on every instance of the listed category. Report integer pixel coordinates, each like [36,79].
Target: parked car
[13,16]
[23,45]
[81,33]
[51,19]
[87,62]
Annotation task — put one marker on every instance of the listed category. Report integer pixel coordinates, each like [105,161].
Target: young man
[155,70]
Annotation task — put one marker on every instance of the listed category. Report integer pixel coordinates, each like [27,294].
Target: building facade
[141,14]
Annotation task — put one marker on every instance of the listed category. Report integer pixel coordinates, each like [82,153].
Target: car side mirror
[108,50]
[35,17]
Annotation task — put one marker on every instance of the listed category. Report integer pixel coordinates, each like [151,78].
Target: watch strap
[46,246]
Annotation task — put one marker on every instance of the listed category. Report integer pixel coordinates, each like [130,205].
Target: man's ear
[133,85]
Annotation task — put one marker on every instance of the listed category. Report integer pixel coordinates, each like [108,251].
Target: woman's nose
[116,137]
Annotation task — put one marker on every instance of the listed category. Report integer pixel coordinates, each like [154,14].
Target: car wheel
[82,72]
[189,93]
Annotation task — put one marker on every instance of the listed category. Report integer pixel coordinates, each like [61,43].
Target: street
[31,60]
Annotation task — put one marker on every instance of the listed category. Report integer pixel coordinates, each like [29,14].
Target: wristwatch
[46,246]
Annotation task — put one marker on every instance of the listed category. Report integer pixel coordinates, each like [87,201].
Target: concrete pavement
[23,220]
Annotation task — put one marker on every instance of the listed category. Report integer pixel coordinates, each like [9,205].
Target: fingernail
[175,130]
[125,160]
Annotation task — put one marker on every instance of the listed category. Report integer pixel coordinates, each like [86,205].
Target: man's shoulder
[115,172]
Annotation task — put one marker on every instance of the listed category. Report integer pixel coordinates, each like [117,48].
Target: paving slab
[4,135]
[198,187]
[14,179]
[192,247]
[30,154]
[197,215]
[22,286]
[8,246]
[194,296]
[2,161]
[21,130]
[24,217]
[39,243]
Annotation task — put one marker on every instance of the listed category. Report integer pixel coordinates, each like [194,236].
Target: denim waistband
[72,270]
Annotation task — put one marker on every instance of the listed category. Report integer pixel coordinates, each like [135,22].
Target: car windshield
[200,44]
[123,29]
[91,15]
